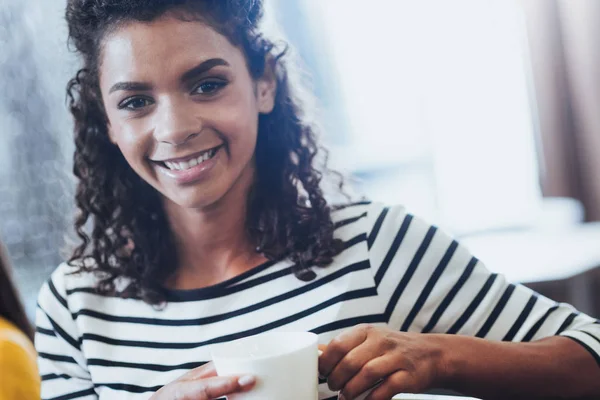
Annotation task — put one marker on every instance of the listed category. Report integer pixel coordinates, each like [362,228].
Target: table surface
[539,255]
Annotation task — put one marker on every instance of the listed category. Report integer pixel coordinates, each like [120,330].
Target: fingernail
[320,353]
[246,380]
[341,397]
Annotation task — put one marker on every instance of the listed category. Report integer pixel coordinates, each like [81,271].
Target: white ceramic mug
[285,365]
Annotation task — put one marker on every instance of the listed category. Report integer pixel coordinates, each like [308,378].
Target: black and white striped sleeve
[431,283]
[61,363]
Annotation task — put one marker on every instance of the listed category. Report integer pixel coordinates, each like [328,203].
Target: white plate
[430,397]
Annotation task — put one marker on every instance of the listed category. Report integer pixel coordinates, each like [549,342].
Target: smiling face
[183,108]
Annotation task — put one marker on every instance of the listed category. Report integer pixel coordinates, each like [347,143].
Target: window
[436,102]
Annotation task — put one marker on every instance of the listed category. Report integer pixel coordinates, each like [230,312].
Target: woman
[18,370]
[197,166]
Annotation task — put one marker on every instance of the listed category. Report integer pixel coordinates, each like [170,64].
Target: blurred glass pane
[442,88]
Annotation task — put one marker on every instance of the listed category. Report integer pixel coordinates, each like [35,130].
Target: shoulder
[363,210]
[369,217]
[15,350]
[370,210]
[68,291]
[387,228]
[391,237]
[13,340]
[382,228]
[17,358]
[67,278]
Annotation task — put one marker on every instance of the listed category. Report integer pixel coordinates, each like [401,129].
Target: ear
[266,88]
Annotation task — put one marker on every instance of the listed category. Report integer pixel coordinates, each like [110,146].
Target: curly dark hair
[288,216]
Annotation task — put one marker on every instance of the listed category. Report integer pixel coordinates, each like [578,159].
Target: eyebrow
[130,86]
[187,76]
[202,68]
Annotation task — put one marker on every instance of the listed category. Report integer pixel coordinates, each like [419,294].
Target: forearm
[555,367]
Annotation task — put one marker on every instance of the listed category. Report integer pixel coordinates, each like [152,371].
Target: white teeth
[183,165]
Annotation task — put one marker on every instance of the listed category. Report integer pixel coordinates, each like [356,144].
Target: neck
[212,243]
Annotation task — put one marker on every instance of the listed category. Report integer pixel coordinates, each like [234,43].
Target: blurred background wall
[35,146]
[478,115]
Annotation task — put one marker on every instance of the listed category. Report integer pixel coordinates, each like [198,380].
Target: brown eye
[209,87]
[135,103]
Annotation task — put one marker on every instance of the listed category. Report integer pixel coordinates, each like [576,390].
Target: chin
[207,195]
[193,202]
[195,199]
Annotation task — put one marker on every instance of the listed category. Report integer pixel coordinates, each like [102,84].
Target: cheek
[240,124]
[132,143]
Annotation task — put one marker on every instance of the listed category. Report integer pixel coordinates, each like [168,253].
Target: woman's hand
[395,362]
[203,383]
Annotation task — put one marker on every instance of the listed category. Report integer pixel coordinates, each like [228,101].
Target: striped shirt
[396,271]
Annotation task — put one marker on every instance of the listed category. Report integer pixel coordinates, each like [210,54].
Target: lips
[184,163]
[192,168]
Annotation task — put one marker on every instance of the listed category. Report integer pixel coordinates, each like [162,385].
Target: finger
[370,375]
[322,348]
[398,382]
[205,371]
[212,388]
[340,346]
[352,363]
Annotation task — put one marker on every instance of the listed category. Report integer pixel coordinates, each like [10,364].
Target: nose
[176,122]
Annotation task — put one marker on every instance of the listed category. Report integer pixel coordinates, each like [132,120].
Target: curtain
[566,70]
